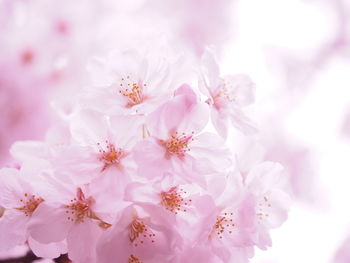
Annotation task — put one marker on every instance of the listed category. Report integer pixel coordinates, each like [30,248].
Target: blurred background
[296,51]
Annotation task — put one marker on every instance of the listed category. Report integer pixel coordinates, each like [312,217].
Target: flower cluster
[134,174]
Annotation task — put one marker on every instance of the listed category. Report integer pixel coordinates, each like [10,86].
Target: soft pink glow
[174,131]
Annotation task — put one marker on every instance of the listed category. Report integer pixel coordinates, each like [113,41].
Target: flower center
[139,233]
[223,95]
[224,224]
[132,90]
[79,207]
[27,57]
[110,155]
[177,144]
[30,203]
[173,201]
[133,259]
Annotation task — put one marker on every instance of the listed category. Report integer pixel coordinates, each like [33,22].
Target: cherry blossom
[77,217]
[228,231]
[227,96]
[266,182]
[129,82]
[100,150]
[187,204]
[131,170]
[176,143]
[141,232]
[20,199]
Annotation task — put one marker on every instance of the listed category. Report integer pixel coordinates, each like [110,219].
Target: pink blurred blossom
[343,253]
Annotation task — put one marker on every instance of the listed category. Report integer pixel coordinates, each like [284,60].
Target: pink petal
[113,245]
[13,226]
[51,250]
[88,127]
[240,121]
[126,130]
[82,241]
[49,224]
[210,69]
[10,188]
[220,122]
[210,154]
[150,158]
[243,89]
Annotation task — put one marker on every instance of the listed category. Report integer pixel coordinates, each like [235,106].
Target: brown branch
[62,259]
[30,257]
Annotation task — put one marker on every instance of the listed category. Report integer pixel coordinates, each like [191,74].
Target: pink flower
[176,143]
[245,211]
[227,96]
[100,150]
[166,193]
[223,231]
[229,230]
[75,217]
[141,232]
[20,199]
[186,204]
[266,183]
[127,172]
[128,82]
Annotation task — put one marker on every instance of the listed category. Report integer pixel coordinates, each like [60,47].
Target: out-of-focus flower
[196,23]
[343,253]
[19,109]
[298,161]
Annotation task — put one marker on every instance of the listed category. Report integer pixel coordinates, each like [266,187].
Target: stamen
[263,206]
[225,92]
[224,224]
[80,208]
[110,155]
[173,201]
[178,144]
[132,90]
[139,233]
[133,259]
[30,203]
